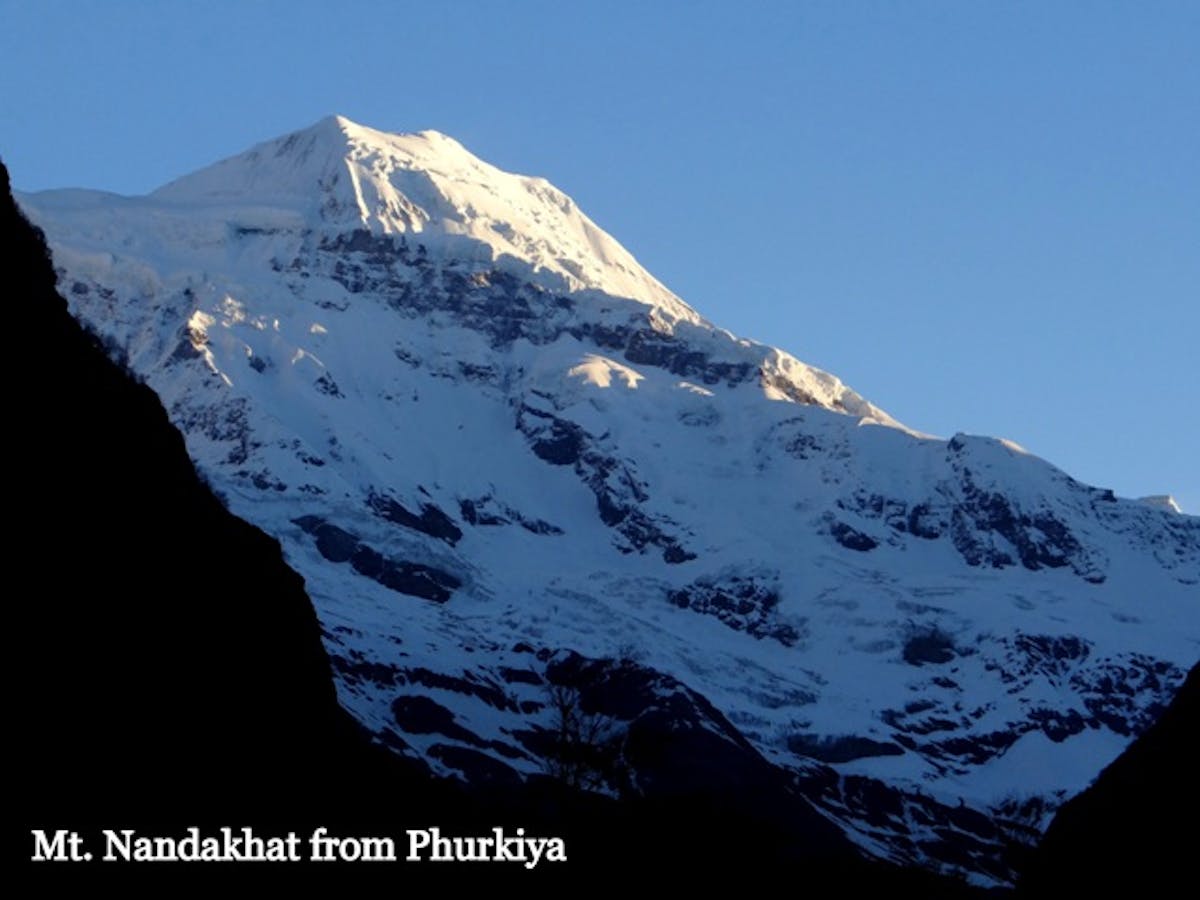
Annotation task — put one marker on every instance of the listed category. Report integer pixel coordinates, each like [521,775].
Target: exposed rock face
[340,546]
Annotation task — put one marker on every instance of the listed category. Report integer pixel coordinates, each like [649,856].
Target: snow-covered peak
[341,186]
[484,435]
[1162,501]
[339,176]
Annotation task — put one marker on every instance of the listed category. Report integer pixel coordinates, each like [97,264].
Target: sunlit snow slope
[488,440]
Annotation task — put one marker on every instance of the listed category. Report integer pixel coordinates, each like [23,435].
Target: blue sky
[985,217]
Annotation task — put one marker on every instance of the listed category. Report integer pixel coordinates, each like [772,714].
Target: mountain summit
[345,176]
[524,482]
[354,186]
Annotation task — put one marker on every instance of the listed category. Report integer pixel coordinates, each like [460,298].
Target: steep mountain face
[512,467]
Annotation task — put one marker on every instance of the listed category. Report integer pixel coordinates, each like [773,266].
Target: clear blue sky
[983,216]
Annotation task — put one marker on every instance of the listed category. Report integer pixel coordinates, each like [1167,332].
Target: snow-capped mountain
[505,457]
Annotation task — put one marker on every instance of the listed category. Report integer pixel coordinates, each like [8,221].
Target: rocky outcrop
[416,579]
[743,602]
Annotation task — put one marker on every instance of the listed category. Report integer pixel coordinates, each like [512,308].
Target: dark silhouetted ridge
[1134,831]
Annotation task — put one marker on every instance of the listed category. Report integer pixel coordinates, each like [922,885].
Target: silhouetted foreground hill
[168,669]
[1135,831]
